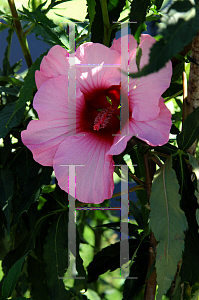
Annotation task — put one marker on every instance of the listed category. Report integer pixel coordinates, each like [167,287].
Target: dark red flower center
[101,113]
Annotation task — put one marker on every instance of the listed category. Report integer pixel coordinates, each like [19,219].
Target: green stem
[107,27]
[19,32]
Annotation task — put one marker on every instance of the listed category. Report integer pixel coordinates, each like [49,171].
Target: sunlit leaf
[168,223]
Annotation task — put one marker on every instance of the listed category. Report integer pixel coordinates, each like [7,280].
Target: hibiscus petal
[154,133]
[98,67]
[43,139]
[51,100]
[43,136]
[144,93]
[94,180]
[55,63]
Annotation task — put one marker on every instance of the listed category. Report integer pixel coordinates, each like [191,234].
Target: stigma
[102,119]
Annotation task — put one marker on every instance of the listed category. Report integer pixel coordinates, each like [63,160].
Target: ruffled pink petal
[43,139]
[55,63]
[154,133]
[51,101]
[144,93]
[58,118]
[94,180]
[98,67]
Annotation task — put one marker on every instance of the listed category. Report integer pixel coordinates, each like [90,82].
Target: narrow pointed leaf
[91,10]
[168,224]
[28,88]
[11,279]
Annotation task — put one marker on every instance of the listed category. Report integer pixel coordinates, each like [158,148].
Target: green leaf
[137,214]
[6,60]
[168,223]
[31,179]
[56,257]
[12,278]
[6,192]
[137,14]
[138,271]
[97,28]
[79,265]
[167,149]
[133,229]
[91,10]
[175,36]
[37,275]
[108,259]
[159,3]
[9,119]
[190,130]
[28,88]
[195,165]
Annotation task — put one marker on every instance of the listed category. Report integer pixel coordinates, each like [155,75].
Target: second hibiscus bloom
[78,105]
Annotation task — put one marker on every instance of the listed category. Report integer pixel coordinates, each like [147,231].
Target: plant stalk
[107,27]
[19,32]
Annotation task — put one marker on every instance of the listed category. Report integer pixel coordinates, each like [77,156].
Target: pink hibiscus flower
[81,125]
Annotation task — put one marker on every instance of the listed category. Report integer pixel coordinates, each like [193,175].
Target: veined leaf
[168,224]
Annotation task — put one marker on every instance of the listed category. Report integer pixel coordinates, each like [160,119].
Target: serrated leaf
[28,88]
[190,130]
[91,10]
[175,36]
[56,257]
[6,60]
[12,278]
[168,223]
[108,259]
[137,14]
[6,123]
